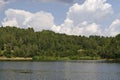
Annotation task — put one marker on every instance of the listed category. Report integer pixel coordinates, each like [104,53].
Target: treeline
[48,45]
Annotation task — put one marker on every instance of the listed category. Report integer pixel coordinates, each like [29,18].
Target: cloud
[90,10]
[24,19]
[41,20]
[84,28]
[3,2]
[114,28]
[81,19]
[12,22]
[84,19]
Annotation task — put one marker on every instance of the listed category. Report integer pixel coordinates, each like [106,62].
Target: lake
[59,70]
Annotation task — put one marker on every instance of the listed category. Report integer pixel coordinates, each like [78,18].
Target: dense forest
[48,45]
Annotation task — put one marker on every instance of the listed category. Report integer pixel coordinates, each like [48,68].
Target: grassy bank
[49,58]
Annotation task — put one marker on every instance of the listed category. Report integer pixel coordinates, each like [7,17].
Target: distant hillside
[47,45]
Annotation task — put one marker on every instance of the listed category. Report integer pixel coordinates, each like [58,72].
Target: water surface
[60,70]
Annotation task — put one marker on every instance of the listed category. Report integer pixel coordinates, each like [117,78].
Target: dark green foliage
[47,45]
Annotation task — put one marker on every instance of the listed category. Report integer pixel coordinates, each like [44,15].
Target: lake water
[60,70]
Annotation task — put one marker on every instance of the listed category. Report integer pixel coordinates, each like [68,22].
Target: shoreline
[15,59]
[31,59]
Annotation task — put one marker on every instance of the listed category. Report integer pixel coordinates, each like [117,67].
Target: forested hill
[16,42]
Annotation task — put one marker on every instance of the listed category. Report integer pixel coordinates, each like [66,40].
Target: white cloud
[90,11]
[2,3]
[83,19]
[114,28]
[24,19]
[12,22]
[41,20]
[14,16]
[83,29]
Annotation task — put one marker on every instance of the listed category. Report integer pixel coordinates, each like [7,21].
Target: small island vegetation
[48,45]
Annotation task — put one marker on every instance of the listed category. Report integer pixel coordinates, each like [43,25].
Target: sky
[72,17]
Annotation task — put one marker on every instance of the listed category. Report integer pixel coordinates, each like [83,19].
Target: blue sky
[57,9]
[73,17]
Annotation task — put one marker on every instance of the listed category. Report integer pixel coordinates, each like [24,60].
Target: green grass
[49,58]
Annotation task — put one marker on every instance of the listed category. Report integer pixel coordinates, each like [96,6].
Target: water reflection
[71,70]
